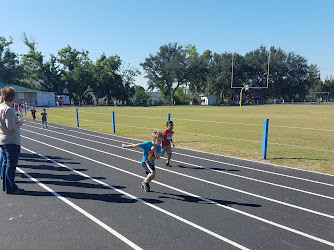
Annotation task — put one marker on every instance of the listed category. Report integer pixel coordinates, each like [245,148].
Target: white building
[32,96]
[208,100]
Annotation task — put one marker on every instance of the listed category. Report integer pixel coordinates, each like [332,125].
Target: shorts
[148,171]
[167,149]
[34,116]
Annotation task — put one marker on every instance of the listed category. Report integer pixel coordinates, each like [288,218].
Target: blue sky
[133,29]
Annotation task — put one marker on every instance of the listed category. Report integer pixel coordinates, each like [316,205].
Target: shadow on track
[188,198]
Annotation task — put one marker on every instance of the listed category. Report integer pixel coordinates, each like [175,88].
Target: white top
[8,118]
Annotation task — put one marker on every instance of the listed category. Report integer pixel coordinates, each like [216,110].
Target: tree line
[290,76]
[70,72]
[180,73]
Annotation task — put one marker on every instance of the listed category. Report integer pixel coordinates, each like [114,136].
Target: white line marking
[202,180]
[220,162]
[220,172]
[79,209]
[126,194]
[203,152]
[181,191]
[196,157]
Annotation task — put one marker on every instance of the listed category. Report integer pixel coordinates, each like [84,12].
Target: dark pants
[10,155]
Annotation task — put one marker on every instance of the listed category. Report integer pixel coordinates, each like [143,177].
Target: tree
[77,71]
[167,70]
[257,61]
[181,97]
[52,76]
[32,63]
[107,81]
[329,84]
[103,75]
[315,84]
[128,80]
[10,70]
[257,71]
[297,76]
[288,72]
[142,97]
[220,75]
[38,74]
[198,69]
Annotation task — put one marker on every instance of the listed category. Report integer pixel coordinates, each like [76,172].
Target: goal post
[247,87]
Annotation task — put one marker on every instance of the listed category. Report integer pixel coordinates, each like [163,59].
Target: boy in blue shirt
[152,151]
[44,118]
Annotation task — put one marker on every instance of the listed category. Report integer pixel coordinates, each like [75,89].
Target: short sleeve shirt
[44,116]
[167,137]
[8,118]
[148,153]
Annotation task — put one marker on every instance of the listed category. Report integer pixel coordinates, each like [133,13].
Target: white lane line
[82,211]
[220,172]
[124,193]
[204,199]
[254,169]
[195,178]
[226,156]
[202,152]
[219,162]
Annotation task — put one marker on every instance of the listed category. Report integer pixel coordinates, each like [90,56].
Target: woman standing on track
[10,140]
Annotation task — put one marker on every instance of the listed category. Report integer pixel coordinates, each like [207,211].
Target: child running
[166,142]
[33,113]
[152,151]
[44,118]
[19,110]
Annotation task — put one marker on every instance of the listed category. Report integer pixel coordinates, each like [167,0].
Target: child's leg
[169,156]
[150,176]
[146,183]
[150,171]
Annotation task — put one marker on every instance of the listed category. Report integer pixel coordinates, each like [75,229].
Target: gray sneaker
[145,186]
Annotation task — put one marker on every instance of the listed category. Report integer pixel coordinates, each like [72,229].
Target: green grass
[232,131]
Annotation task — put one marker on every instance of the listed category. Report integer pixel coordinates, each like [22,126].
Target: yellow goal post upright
[246,87]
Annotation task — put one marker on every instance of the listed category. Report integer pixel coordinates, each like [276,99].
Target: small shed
[208,100]
[32,96]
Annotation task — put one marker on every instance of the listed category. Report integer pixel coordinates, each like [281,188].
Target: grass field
[300,136]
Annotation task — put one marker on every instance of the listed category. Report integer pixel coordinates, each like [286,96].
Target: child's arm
[171,140]
[155,151]
[131,145]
